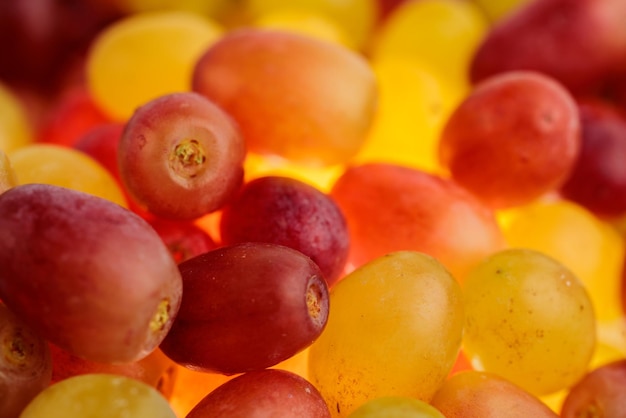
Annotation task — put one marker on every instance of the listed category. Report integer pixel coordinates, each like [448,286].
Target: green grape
[441,34]
[396,407]
[99,396]
[144,56]
[529,320]
[394,330]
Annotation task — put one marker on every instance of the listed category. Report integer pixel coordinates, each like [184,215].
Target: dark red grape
[288,212]
[181,156]
[263,394]
[247,307]
[598,181]
[90,276]
[599,394]
[25,364]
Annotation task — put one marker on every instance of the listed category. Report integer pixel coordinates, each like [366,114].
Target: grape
[185,240]
[356,18]
[598,181]
[144,56]
[395,407]
[99,396]
[7,175]
[579,43]
[282,89]
[285,211]
[247,307]
[513,139]
[191,386]
[15,130]
[181,156]
[478,394]
[61,166]
[263,394]
[394,330]
[155,369]
[73,114]
[529,320]
[440,34]
[598,394]
[101,143]
[498,10]
[589,247]
[391,208]
[89,275]
[25,364]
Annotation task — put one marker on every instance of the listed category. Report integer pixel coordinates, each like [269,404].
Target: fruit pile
[320,208]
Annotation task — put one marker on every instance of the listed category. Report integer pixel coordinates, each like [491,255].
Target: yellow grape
[529,320]
[65,167]
[396,407]
[99,396]
[144,56]
[15,131]
[411,111]
[212,8]
[394,330]
[305,23]
[356,18]
[571,234]
[7,174]
[498,9]
[441,34]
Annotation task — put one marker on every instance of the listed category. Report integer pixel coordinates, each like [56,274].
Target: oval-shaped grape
[474,394]
[99,396]
[90,276]
[529,320]
[394,330]
[514,138]
[286,211]
[25,364]
[181,156]
[298,97]
[247,307]
[263,394]
[600,393]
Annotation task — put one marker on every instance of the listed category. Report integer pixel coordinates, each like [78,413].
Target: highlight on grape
[313,208]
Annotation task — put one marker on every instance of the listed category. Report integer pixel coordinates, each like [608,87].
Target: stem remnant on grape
[161,317]
[188,158]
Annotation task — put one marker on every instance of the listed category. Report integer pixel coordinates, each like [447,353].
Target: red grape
[25,364]
[90,276]
[513,139]
[181,156]
[247,307]
[185,240]
[286,211]
[267,393]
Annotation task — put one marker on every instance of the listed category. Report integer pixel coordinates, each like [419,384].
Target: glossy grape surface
[282,89]
[394,330]
[99,396]
[247,307]
[285,211]
[87,274]
[263,394]
[181,156]
[529,320]
[515,137]
[395,407]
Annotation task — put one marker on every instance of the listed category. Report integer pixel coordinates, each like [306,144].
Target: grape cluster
[313,208]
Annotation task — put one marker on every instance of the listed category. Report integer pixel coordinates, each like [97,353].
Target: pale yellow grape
[571,234]
[211,8]
[394,330]
[304,23]
[396,407]
[442,34]
[99,396]
[356,18]
[65,167]
[144,56]
[529,320]
[15,130]
[412,108]
[7,174]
